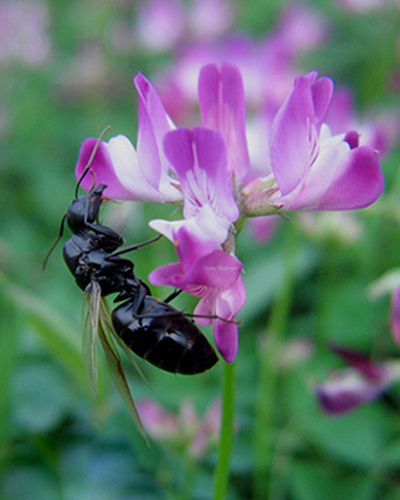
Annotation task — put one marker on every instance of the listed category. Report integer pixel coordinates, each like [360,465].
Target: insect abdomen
[164,336]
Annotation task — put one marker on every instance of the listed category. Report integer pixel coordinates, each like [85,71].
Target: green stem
[226,433]
[264,428]
[190,468]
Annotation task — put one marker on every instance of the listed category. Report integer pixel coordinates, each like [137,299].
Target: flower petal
[222,106]
[340,179]
[322,91]
[197,267]
[211,231]
[226,340]
[116,165]
[199,158]
[292,138]
[225,304]
[356,184]
[154,123]
[103,167]
[131,173]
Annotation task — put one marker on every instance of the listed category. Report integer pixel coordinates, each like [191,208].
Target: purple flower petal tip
[226,340]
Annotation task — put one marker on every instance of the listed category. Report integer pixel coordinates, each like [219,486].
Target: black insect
[151,328]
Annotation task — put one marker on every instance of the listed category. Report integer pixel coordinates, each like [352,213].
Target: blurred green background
[55,441]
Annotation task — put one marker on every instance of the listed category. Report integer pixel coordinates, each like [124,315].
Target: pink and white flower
[209,209]
[209,171]
[313,169]
[141,174]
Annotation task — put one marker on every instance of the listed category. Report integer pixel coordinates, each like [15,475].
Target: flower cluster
[209,171]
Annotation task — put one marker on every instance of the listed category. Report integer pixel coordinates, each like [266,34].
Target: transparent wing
[106,315]
[117,371]
[90,336]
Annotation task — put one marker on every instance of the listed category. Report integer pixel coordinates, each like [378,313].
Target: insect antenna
[53,246]
[86,170]
[89,163]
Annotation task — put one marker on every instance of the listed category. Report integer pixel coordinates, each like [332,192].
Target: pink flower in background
[268,66]
[361,6]
[313,169]
[208,431]
[159,24]
[362,382]
[24,32]
[209,19]
[197,435]
[379,132]
[158,422]
[263,227]
[301,28]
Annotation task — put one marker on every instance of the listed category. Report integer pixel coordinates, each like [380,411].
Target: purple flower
[300,29]
[313,169]
[363,381]
[216,278]
[209,209]
[208,169]
[142,174]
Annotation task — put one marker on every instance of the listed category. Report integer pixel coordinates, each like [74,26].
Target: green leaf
[391,455]
[57,335]
[316,481]
[41,397]
[28,482]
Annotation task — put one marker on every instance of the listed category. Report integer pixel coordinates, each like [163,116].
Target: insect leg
[174,294]
[136,247]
